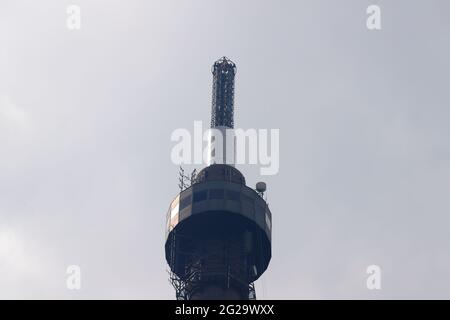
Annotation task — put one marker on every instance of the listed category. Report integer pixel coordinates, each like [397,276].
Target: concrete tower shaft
[218,237]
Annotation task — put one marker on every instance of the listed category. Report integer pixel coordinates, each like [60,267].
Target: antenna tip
[224,65]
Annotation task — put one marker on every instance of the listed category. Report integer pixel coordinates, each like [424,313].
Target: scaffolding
[201,269]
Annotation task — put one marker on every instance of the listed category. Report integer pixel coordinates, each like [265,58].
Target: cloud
[25,265]
[11,116]
[86,117]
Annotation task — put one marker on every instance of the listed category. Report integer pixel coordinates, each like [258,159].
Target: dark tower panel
[222,113]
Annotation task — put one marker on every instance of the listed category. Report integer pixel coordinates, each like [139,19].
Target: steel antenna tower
[218,234]
[222,113]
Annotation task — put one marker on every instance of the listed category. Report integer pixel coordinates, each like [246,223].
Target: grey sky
[86,118]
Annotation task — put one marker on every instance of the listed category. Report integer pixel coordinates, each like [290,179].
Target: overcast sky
[86,117]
